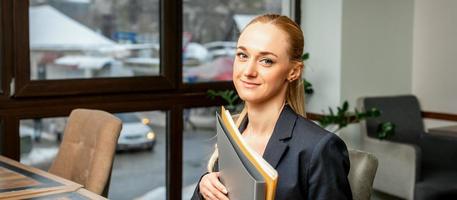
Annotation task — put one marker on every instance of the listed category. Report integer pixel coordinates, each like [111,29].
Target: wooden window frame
[170,44]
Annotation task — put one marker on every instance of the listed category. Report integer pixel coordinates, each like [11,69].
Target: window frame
[3,13]
[170,44]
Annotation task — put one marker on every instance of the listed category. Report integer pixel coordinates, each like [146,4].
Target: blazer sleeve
[197,195]
[328,170]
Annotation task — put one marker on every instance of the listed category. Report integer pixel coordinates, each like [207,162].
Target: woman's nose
[250,69]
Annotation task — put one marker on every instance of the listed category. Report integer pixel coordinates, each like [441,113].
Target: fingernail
[225,191]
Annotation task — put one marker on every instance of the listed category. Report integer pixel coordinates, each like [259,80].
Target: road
[137,173]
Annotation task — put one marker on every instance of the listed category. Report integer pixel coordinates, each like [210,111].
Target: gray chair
[414,164]
[362,173]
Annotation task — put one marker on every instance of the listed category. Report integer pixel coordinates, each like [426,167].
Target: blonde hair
[295,94]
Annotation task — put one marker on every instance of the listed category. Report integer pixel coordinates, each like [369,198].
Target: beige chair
[362,173]
[87,150]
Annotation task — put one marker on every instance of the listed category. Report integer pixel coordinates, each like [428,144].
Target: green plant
[385,130]
[229,96]
[305,56]
[343,117]
[308,86]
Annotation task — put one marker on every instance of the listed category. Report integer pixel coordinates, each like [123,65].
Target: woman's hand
[211,188]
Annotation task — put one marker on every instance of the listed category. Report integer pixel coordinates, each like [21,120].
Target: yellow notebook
[243,171]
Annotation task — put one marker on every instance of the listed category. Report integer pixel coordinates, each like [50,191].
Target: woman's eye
[267,61]
[242,56]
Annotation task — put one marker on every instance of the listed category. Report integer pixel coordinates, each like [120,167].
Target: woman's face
[262,66]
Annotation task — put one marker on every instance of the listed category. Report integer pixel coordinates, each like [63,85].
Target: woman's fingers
[211,188]
[215,181]
[212,193]
[220,196]
[209,196]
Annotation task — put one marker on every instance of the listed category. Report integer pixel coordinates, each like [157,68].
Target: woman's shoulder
[308,129]
[312,137]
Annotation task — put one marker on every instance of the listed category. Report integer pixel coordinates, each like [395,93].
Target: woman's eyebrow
[261,53]
[242,48]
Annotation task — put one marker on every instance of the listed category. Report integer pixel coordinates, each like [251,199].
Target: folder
[245,174]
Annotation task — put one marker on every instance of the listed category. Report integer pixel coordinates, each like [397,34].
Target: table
[445,131]
[19,181]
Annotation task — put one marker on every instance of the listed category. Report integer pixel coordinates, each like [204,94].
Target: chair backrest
[362,173]
[403,111]
[87,150]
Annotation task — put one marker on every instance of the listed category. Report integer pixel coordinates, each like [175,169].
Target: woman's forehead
[264,37]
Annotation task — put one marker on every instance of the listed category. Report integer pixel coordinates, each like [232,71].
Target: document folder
[246,175]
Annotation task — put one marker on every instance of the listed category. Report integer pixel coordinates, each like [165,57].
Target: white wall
[321,23]
[376,53]
[435,56]
[358,48]
[376,48]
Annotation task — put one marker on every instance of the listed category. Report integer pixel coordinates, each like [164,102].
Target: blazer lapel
[278,145]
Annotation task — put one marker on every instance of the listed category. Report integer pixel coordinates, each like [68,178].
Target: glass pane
[198,145]
[74,39]
[40,140]
[210,31]
[139,165]
[139,170]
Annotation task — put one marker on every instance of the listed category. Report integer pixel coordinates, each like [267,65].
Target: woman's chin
[251,98]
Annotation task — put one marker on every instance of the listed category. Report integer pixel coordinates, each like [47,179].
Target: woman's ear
[295,72]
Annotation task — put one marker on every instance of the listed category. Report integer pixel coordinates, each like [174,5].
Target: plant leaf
[305,56]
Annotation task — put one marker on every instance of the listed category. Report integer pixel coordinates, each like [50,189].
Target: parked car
[135,134]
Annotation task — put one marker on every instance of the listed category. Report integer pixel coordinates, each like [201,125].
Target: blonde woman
[311,162]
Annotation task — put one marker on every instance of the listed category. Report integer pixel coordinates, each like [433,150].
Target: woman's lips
[248,84]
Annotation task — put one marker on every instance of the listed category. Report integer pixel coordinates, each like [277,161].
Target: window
[199,138]
[139,169]
[89,39]
[94,46]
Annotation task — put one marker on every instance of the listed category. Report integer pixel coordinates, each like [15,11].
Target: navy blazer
[312,163]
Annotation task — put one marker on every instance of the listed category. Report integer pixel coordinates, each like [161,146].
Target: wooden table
[446,131]
[19,181]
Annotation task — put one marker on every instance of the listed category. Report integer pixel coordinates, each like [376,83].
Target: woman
[311,162]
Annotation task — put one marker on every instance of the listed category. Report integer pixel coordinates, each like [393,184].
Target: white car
[135,134]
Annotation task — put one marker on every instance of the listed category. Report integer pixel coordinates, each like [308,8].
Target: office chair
[413,163]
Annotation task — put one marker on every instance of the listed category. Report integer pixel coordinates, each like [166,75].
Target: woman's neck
[263,117]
